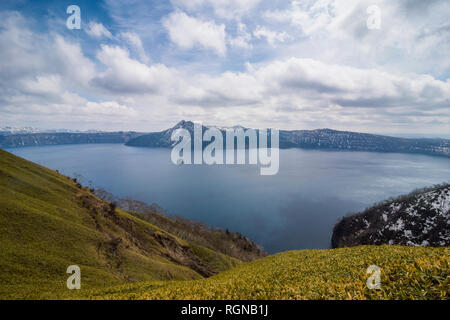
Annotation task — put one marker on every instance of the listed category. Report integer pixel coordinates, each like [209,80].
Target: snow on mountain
[8,130]
[17,130]
[324,139]
[419,219]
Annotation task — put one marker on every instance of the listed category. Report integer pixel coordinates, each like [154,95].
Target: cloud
[242,39]
[227,90]
[28,55]
[125,75]
[20,49]
[229,9]
[97,30]
[271,36]
[70,60]
[311,92]
[135,41]
[349,86]
[336,31]
[44,78]
[108,108]
[43,85]
[328,70]
[188,32]
[322,85]
[309,15]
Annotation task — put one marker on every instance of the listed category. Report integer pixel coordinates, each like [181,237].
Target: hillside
[406,273]
[421,218]
[48,222]
[227,242]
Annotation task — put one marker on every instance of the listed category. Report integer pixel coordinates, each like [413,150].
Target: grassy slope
[406,273]
[44,228]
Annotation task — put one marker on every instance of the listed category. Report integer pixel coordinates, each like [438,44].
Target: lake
[295,209]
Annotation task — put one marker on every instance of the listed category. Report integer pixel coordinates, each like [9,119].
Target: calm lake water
[295,209]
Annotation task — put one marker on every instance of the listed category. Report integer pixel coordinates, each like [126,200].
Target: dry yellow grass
[406,273]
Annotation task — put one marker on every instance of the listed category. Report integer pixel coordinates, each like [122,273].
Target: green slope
[406,273]
[48,222]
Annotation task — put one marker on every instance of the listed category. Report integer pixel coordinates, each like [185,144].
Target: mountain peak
[183,124]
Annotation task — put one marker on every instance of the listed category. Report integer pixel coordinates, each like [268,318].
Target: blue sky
[145,65]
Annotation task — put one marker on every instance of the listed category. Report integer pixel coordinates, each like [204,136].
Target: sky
[370,66]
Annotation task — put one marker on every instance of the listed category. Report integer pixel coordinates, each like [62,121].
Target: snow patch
[399,225]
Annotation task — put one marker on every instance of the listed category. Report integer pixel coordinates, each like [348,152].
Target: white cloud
[271,36]
[336,31]
[69,59]
[108,108]
[322,85]
[98,30]
[47,85]
[44,77]
[242,39]
[305,93]
[352,87]
[229,9]
[126,75]
[188,32]
[227,90]
[20,49]
[310,15]
[48,77]
[135,41]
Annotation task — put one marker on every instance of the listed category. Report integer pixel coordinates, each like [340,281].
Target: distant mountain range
[60,138]
[418,219]
[8,130]
[323,139]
